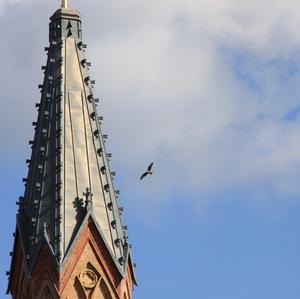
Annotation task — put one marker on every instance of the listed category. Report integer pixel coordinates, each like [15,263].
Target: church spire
[69,187]
[69,153]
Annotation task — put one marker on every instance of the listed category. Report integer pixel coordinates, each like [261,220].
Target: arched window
[104,290]
[47,294]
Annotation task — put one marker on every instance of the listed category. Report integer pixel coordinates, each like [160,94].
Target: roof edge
[90,214]
[37,252]
[69,13]
[128,263]
[18,232]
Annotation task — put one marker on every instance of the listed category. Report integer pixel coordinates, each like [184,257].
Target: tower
[69,241]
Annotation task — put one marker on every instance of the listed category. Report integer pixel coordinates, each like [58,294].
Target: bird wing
[150,166]
[143,175]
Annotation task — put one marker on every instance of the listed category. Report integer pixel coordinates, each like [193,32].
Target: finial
[64,3]
[88,199]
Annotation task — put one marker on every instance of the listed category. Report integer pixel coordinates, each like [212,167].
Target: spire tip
[64,3]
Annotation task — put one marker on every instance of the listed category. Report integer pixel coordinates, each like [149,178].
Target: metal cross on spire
[64,3]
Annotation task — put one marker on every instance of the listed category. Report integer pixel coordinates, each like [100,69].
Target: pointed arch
[104,290]
[79,289]
[47,294]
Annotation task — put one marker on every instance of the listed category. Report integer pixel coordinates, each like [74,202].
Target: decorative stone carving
[88,278]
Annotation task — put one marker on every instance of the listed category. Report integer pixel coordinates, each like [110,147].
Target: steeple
[69,183]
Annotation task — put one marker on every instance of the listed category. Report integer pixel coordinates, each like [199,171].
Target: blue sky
[209,91]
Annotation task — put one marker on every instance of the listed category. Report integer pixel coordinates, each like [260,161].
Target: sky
[208,90]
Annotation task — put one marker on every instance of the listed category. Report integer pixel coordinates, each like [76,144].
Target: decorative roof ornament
[88,199]
[64,3]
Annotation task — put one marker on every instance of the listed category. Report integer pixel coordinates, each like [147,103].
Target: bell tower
[69,241]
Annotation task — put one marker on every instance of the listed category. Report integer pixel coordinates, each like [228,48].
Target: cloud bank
[209,90]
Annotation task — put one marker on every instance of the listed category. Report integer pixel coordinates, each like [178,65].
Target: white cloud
[5,3]
[201,87]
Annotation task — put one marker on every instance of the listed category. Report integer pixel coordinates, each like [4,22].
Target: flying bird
[148,171]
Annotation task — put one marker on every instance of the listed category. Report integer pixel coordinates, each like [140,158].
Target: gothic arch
[79,289]
[47,294]
[104,290]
